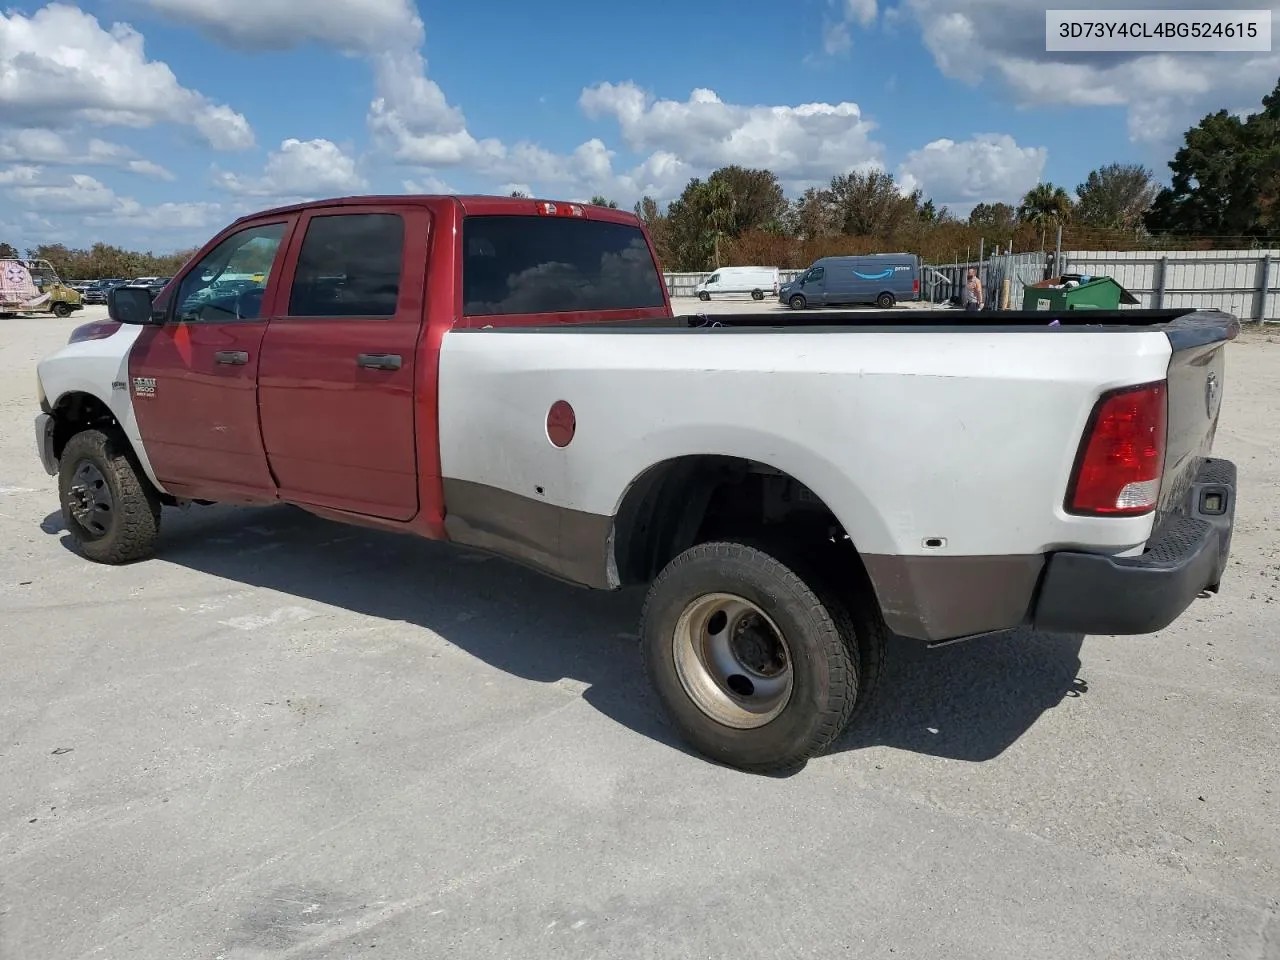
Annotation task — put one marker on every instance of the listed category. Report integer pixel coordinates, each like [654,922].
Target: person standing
[973,296]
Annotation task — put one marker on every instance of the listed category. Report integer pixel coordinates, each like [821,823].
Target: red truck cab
[310,376]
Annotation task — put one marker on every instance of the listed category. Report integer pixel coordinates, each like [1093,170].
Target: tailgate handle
[234,357]
[379,361]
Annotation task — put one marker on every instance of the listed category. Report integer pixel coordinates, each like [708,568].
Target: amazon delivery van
[880,278]
[759,282]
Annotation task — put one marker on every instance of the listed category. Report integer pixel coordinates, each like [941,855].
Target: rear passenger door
[338,370]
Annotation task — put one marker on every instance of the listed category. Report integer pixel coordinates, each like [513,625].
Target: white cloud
[81,193]
[430,185]
[1164,94]
[862,12]
[39,145]
[516,188]
[411,119]
[21,173]
[300,168]
[800,143]
[89,201]
[59,66]
[352,26]
[989,168]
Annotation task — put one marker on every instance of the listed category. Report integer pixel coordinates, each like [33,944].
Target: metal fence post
[1264,289]
[1162,270]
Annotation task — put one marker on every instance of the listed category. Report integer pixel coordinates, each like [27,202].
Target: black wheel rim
[90,501]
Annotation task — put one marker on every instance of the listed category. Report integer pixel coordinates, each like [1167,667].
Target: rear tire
[704,296]
[108,505]
[753,667]
[797,302]
[886,301]
[757,294]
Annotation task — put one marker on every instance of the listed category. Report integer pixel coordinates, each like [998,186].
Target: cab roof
[471,205]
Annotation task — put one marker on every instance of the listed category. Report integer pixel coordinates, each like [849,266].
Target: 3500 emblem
[144,386]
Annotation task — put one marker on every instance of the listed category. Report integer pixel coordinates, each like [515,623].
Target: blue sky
[153,122]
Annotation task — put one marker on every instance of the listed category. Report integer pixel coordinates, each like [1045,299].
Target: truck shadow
[965,702]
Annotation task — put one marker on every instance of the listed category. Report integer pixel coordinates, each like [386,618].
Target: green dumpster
[1076,292]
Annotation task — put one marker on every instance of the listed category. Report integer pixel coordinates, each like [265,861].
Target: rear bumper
[44,443]
[1098,594]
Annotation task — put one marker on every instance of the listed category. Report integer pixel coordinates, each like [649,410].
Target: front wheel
[797,302]
[757,294]
[704,296]
[752,666]
[62,310]
[108,506]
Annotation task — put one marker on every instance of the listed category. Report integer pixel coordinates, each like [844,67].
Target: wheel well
[689,500]
[77,412]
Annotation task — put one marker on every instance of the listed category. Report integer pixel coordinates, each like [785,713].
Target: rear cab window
[532,265]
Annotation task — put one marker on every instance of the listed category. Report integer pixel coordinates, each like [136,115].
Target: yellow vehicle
[33,286]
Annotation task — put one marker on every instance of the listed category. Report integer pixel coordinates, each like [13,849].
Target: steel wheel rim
[90,501]
[732,661]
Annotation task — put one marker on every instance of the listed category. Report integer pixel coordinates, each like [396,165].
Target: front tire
[108,506]
[704,296]
[797,302]
[752,666]
[757,294]
[61,310]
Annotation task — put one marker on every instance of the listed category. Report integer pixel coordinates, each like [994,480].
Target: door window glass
[349,266]
[229,283]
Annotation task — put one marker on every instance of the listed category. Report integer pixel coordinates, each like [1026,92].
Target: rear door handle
[379,361]
[234,357]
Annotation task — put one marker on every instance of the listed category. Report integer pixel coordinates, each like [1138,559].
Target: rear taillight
[1122,455]
[548,209]
[915,285]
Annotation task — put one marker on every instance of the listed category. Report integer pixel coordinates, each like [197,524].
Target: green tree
[600,201]
[993,217]
[811,216]
[1226,177]
[755,197]
[8,251]
[1116,196]
[870,204]
[1045,205]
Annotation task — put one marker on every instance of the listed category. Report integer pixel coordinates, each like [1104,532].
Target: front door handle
[379,361]
[234,357]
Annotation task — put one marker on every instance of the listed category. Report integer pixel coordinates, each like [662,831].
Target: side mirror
[129,305]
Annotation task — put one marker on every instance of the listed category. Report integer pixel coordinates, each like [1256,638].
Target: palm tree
[1045,204]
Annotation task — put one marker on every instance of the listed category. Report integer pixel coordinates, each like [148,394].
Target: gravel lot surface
[287,738]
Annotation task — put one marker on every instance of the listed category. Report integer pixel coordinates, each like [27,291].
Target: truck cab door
[336,385]
[193,379]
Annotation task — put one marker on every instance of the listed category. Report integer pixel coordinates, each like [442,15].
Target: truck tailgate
[1197,375]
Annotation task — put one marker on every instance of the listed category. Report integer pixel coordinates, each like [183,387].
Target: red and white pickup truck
[506,374]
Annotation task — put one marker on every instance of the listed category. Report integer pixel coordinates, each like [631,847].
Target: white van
[757,281]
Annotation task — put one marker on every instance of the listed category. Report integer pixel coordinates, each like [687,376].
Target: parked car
[741,281]
[97,292]
[506,374]
[883,279]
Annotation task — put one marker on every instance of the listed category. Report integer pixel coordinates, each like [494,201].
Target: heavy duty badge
[144,386]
